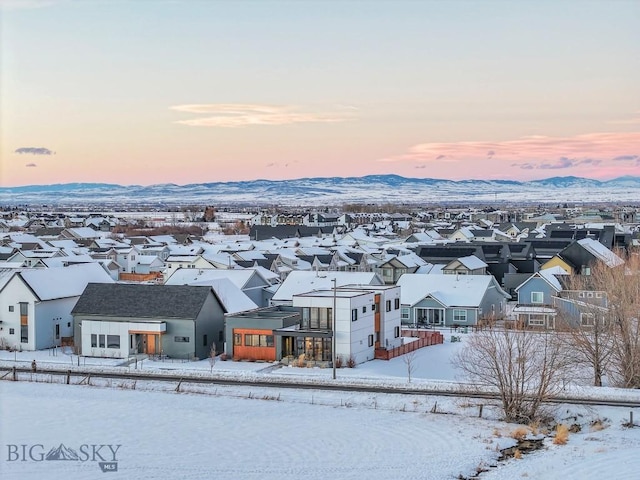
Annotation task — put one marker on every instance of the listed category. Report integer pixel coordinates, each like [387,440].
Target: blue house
[536,295]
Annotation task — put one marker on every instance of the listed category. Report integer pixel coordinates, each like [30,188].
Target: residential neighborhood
[295,282]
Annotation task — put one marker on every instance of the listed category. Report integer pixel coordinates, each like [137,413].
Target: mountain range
[331,190]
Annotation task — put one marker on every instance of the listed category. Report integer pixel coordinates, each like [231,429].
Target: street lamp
[333,329]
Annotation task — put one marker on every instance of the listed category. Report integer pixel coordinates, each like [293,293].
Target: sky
[184,91]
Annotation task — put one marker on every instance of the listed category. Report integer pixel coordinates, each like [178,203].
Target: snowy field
[209,431]
[222,433]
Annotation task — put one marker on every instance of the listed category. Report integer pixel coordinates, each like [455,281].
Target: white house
[301,282]
[36,304]
[365,319]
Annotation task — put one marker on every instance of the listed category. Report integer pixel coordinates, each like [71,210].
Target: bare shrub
[597,425]
[409,361]
[524,367]
[339,361]
[351,362]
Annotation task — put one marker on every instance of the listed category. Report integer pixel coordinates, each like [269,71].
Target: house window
[397,303]
[24,333]
[364,309]
[536,320]
[587,319]
[68,324]
[11,308]
[237,339]
[396,332]
[354,314]
[101,341]
[181,339]
[57,331]
[537,297]
[388,305]
[94,340]
[405,314]
[269,340]
[204,340]
[113,341]
[459,316]
[12,331]
[371,340]
[598,294]
[373,307]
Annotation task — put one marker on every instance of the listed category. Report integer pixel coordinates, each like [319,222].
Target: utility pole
[333,329]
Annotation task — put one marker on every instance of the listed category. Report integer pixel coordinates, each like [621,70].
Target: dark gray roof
[142,301]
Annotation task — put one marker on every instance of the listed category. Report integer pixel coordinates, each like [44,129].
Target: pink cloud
[530,152]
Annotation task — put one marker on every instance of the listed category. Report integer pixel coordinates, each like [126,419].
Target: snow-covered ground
[212,431]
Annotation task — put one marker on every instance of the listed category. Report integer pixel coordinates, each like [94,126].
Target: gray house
[118,320]
[449,300]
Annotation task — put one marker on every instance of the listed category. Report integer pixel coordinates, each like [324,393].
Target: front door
[151,344]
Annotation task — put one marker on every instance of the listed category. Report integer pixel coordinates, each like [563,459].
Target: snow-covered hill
[332,190]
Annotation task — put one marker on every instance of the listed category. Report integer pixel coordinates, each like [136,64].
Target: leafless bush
[409,361]
[351,362]
[525,368]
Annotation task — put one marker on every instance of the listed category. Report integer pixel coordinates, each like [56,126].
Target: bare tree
[409,361]
[622,284]
[524,367]
[584,328]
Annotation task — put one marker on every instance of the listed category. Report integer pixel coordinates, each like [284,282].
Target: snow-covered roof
[601,252]
[268,275]
[84,232]
[301,282]
[147,259]
[233,299]
[183,258]
[249,255]
[192,276]
[533,309]
[165,239]
[549,274]
[450,290]
[64,282]
[472,262]
[68,260]
[64,244]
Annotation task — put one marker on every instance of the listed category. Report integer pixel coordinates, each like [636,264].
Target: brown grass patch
[517,454]
[519,433]
[562,435]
